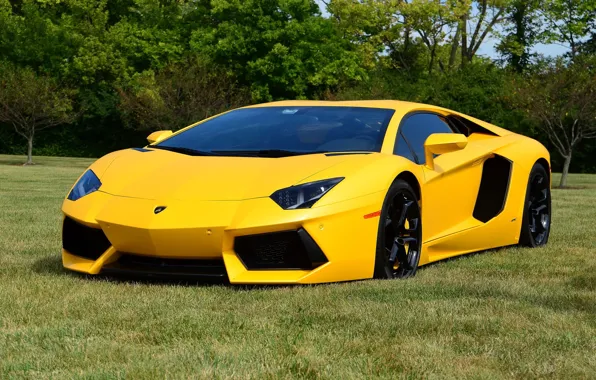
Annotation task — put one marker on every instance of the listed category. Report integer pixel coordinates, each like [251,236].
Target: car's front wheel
[537,209]
[399,240]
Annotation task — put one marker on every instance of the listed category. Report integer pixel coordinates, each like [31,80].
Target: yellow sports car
[308,192]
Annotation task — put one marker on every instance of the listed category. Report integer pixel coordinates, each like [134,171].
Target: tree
[411,31]
[431,19]
[568,22]
[460,25]
[179,95]
[32,102]
[482,16]
[589,46]
[561,99]
[522,31]
[369,25]
[280,48]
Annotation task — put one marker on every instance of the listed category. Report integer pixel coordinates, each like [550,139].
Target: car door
[450,189]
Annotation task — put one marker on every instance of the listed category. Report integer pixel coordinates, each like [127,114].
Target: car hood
[159,174]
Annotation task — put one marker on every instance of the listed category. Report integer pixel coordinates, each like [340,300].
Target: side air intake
[494,185]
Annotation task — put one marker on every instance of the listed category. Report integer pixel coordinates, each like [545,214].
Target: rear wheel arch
[542,161]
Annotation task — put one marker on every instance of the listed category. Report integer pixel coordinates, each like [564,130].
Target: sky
[487,48]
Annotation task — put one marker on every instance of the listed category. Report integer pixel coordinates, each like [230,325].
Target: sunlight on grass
[506,313]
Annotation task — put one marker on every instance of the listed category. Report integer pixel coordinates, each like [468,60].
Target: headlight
[305,195]
[86,185]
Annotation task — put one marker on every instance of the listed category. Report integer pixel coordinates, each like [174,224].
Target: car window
[402,148]
[416,129]
[457,126]
[297,129]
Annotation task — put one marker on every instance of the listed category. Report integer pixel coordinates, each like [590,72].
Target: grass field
[508,313]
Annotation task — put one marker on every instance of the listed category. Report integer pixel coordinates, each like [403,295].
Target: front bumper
[202,238]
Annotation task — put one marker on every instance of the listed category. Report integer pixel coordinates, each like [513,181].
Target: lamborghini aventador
[308,192]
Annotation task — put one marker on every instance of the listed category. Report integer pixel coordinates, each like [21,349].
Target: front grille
[83,241]
[279,250]
[158,267]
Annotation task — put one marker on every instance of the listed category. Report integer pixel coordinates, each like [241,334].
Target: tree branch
[490,26]
[483,9]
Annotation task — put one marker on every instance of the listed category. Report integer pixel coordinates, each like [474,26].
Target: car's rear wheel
[537,209]
[399,240]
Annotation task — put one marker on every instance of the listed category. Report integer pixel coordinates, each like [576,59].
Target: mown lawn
[509,313]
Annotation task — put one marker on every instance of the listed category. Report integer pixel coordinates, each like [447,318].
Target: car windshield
[285,131]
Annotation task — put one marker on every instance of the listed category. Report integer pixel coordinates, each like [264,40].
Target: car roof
[387,104]
[397,105]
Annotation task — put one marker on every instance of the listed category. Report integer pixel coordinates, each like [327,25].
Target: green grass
[508,313]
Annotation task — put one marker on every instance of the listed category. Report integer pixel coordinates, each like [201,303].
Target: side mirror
[157,136]
[440,143]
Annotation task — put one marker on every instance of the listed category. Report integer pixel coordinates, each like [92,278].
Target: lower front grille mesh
[279,250]
[167,267]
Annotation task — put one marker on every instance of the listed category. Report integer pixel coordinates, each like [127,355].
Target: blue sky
[488,47]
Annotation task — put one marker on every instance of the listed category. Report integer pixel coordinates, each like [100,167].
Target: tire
[536,221]
[404,236]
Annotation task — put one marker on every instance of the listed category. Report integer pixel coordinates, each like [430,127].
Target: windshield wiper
[273,153]
[189,151]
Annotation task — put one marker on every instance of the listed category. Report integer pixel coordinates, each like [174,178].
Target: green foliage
[520,33]
[179,95]
[31,102]
[282,49]
[132,64]
[561,99]
[568,22]
[478,90]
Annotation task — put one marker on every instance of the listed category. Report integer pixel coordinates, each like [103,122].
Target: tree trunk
[432,61]
[454,46]
[464,40]
[29,151]
[563,182]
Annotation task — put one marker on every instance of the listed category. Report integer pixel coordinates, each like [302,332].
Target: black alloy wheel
[537,210]
[399,240]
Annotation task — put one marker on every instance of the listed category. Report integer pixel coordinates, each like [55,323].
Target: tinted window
[416,129]
[457,126]
[296,129]
[402,148]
